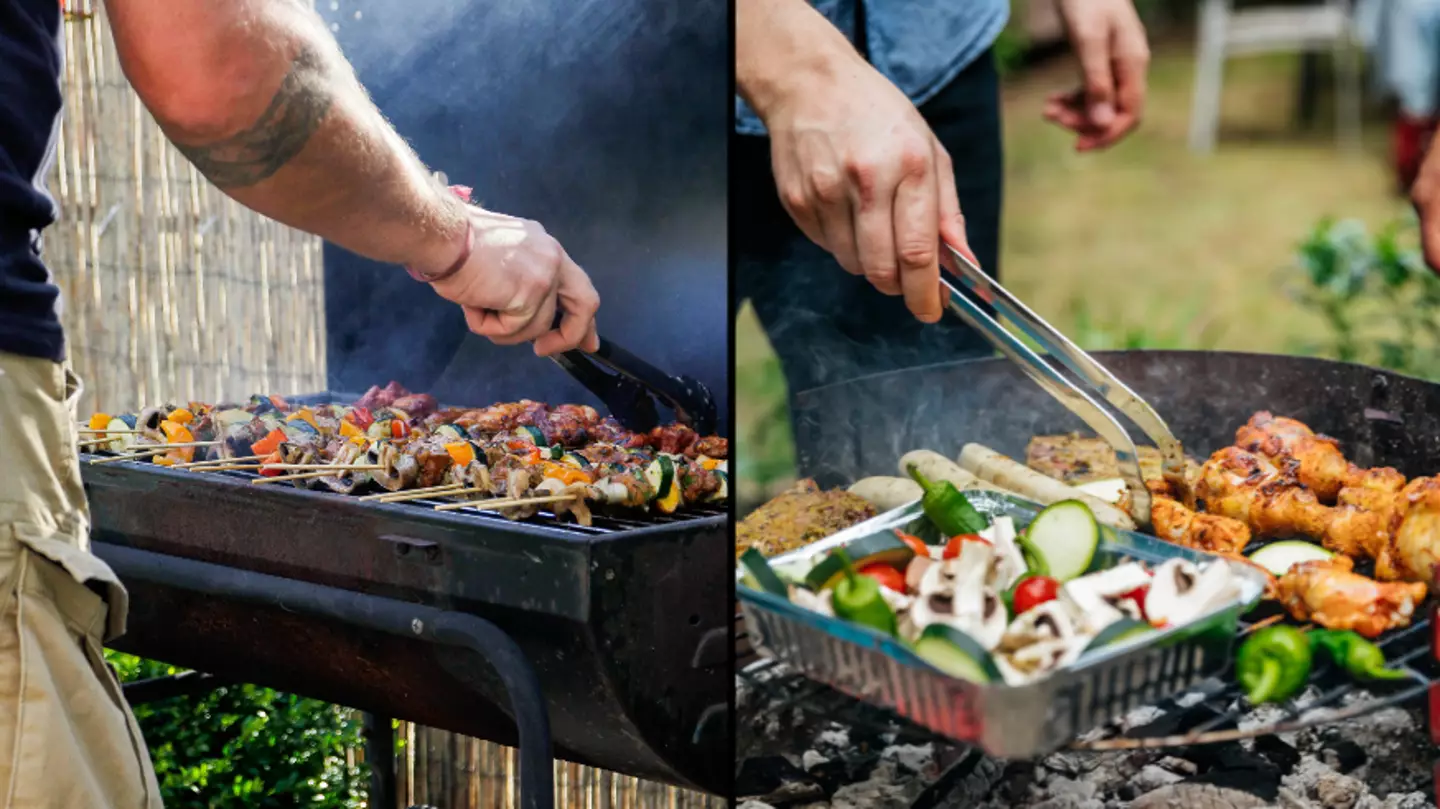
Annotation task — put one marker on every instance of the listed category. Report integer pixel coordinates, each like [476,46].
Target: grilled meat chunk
[1074,458]
[799,516]
[1332,595]
[1319,463]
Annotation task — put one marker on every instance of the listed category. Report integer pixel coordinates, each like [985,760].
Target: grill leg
[380,755]
[490,642]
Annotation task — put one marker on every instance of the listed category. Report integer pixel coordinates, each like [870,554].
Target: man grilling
[257,95]
[866,128]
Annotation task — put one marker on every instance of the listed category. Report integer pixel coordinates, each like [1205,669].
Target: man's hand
[516,279]
[855,164]
[1109,40]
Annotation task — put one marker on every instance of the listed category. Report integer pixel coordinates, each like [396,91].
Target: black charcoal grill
[851,430]
[621,626]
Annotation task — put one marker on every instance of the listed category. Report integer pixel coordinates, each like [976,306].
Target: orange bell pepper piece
[269,443]
[461,452]
[181,416]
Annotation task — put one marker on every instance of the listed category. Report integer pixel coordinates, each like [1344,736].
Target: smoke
[605,121]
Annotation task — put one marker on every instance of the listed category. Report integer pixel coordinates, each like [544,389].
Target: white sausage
[995,468]
[886,494]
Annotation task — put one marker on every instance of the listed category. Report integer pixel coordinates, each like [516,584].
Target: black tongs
[628,392]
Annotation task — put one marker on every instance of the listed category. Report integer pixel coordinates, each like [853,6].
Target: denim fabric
[920,46]
[826,325]
[1403,37]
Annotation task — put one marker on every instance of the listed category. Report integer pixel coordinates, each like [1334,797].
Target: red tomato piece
[952,548]
[916,543]
[886,575]
[361,417]
[1034,591]
[399,428]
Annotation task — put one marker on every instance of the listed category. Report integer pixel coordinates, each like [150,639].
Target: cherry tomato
[1034,591]
[886,575]
[916,543]
[952,548]
[1138,594]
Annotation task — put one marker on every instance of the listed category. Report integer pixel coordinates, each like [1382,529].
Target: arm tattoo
[294,114]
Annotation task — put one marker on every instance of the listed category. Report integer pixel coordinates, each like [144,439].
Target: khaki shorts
[67,736]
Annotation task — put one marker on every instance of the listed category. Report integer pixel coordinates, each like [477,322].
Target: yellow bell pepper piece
[181,416]
[176,433]
[461,452]
[99,421]
[304,414]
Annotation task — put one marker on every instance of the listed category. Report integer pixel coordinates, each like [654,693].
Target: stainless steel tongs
[1092,373]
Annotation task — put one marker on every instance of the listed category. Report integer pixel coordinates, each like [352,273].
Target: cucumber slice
[660,474]
[881,548]
[956,654]
[1279,557]
[1118,632]
[531,434]
[576,460]
[757,568]
[1067,536]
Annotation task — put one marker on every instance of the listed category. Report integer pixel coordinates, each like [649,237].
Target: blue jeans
[826,325]
[1403,37]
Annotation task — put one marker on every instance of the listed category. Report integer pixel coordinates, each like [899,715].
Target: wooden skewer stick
[162,447]
[323,467]
[234,467]
[444,488]
[507,502]
[218,462]
[134,456]
[419,494]
[311,475]
[93,431]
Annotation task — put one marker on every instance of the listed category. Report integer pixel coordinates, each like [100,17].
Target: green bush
[246,746]
[1379,302]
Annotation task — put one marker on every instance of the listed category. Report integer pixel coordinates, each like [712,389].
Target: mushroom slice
[1113,584]
[815,602]
[1042,657]
[953,592]
[577,506]
[915,571]
[1009,564]
[1049,621]
[1180,592]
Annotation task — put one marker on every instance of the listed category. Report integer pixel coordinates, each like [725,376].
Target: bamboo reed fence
[174,292]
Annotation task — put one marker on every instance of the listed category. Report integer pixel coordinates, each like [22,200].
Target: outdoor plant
[1379,302]
[246,746]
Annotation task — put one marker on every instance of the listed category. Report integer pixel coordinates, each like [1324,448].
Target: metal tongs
[628,392]
[1057,385]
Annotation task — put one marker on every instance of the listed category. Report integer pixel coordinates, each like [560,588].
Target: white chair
[1226,32]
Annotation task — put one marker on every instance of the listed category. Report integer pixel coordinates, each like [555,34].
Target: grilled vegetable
[1358,657]
[1279,557]
[760,575]
[460,452]
[956,545]
[857,598]
[1066,536]
[99,421]
[881,549]
[945,506]
[660,474]
[956,654]
[1273,664]
[269,443]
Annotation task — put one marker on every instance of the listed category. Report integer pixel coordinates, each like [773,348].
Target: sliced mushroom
[815,602]
[1180,592]
[1009,563]
[1049,621]
[1092,612]
[953,593]
[915,571]
[1114,584]
[1043,657]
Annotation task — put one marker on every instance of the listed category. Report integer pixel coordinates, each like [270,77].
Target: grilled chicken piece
[1410,547]
[1207,532]
[1332,595]
[1244,486]
[1318,461]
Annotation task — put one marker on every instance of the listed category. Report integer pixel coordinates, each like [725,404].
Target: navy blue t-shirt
[30,104]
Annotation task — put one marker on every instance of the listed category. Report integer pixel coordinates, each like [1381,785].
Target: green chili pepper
[857,598]
[1357,656]
[1273,664]
[947,507]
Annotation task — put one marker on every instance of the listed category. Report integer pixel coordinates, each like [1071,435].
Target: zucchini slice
[1067,536]
[764,578]
[451,433]
[575,459]
[956,654]
[1118,632]
[531,434]
[671,500]
[881,548]
[723,491]
[660,474]
[1279,557]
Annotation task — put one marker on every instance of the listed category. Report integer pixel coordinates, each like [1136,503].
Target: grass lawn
[1188,250]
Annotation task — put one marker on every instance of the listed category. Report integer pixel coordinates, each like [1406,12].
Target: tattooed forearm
[294,114]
